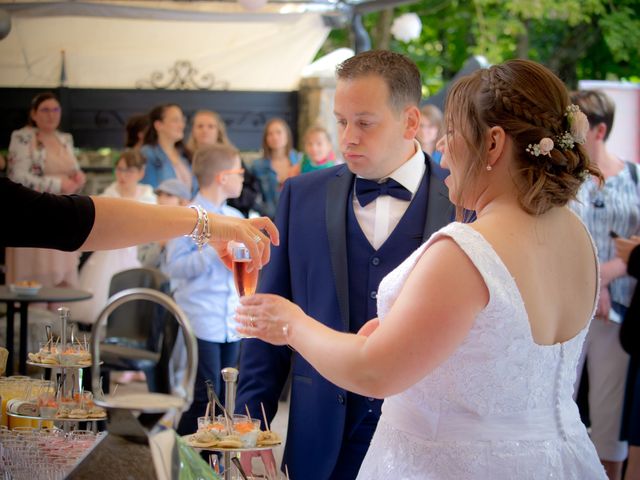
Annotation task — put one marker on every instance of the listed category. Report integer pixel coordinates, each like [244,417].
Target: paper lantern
[253,4]
[406,27]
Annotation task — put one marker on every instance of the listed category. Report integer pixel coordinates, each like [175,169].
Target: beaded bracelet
[201,232]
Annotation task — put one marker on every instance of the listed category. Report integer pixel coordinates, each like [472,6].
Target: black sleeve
[43,220]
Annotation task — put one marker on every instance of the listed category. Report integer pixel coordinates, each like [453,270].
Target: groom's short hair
[399,73]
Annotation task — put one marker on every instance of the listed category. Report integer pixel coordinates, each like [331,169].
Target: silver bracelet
[201,232]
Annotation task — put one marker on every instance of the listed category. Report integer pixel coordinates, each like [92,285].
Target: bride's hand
[269,317]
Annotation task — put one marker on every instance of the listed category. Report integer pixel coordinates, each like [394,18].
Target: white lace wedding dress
[499,408]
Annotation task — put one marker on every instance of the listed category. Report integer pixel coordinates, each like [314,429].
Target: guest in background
[135,130]
[41,157]
[129,171]
[163,148]
[174,193]
[613,207]
[276,165]
[205,288]
[96,272]
[318,151]
[209,129]
[430,130]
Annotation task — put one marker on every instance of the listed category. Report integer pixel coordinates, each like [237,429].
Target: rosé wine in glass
[245,282]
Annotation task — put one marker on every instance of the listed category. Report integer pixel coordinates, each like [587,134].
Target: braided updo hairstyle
[529,102]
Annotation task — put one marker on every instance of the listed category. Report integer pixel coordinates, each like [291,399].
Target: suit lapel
[336,220]
[440,211]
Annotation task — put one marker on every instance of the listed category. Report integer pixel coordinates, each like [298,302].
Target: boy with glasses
[204,287]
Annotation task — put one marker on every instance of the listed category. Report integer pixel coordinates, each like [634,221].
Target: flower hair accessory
[577,133]
[578,124]
[543,147]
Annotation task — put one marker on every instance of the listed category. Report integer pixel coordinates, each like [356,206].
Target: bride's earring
[489,168]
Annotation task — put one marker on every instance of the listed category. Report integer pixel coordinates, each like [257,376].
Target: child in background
[318,152]
[96,272]
[430,131]
[129,170]
[170,192]
[205,288]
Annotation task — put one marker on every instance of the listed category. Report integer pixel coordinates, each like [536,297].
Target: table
[44,295]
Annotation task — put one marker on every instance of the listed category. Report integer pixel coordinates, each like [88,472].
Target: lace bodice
[498,388]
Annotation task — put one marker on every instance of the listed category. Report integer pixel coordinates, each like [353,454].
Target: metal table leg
[24,325]
[10,334]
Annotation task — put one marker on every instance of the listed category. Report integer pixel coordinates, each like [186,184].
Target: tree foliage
[595,39]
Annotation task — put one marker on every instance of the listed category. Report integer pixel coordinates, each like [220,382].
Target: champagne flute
[245,282]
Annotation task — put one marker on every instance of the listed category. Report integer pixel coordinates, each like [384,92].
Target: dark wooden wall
[96,117]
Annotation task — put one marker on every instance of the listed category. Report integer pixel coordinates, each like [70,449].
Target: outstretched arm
[72,222]
[426,324]
[120,223]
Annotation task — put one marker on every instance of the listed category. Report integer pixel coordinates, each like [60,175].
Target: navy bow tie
[368,190]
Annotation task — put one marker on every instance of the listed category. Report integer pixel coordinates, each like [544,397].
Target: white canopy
[115,44]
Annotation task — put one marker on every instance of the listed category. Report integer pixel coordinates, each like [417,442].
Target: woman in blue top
[276,166]
[163,148]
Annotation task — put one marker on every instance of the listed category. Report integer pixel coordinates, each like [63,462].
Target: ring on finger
[257,238]
[285,330]
[252,321]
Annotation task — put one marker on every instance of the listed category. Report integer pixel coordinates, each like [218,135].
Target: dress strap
[493,271]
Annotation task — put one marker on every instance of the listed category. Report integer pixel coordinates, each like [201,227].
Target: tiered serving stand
[69,373]
[230,377]
[134,419]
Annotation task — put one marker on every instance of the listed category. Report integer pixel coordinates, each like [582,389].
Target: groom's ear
[496,140]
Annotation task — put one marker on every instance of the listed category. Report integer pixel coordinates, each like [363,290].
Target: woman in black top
[74,222]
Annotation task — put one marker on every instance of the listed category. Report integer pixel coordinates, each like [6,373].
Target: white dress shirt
[378,218]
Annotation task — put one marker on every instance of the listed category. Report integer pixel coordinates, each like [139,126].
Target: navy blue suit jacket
[310,268]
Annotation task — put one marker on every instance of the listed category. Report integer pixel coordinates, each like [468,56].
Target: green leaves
[596,39]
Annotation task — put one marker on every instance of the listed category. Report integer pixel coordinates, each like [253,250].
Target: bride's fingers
[257,299]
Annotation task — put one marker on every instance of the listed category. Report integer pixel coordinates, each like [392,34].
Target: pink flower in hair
[579,127]
[546,145]
[578,124]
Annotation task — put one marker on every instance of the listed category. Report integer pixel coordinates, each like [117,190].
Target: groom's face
[372,133]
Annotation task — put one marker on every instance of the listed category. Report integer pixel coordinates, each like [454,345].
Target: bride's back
[546,256]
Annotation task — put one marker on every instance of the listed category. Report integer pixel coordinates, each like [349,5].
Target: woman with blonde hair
[207,128]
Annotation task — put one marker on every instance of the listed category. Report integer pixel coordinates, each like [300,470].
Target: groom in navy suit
[342,230]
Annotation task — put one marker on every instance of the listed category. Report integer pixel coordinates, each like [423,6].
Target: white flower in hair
[546,145]
[543,147]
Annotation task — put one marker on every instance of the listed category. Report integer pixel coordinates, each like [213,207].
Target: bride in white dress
[480,329]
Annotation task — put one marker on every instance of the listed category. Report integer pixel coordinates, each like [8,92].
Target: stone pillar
[316,108]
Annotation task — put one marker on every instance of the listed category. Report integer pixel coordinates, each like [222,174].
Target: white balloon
[253,4]
[406,27]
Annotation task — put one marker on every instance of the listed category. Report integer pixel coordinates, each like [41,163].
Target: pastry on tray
[268,438]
